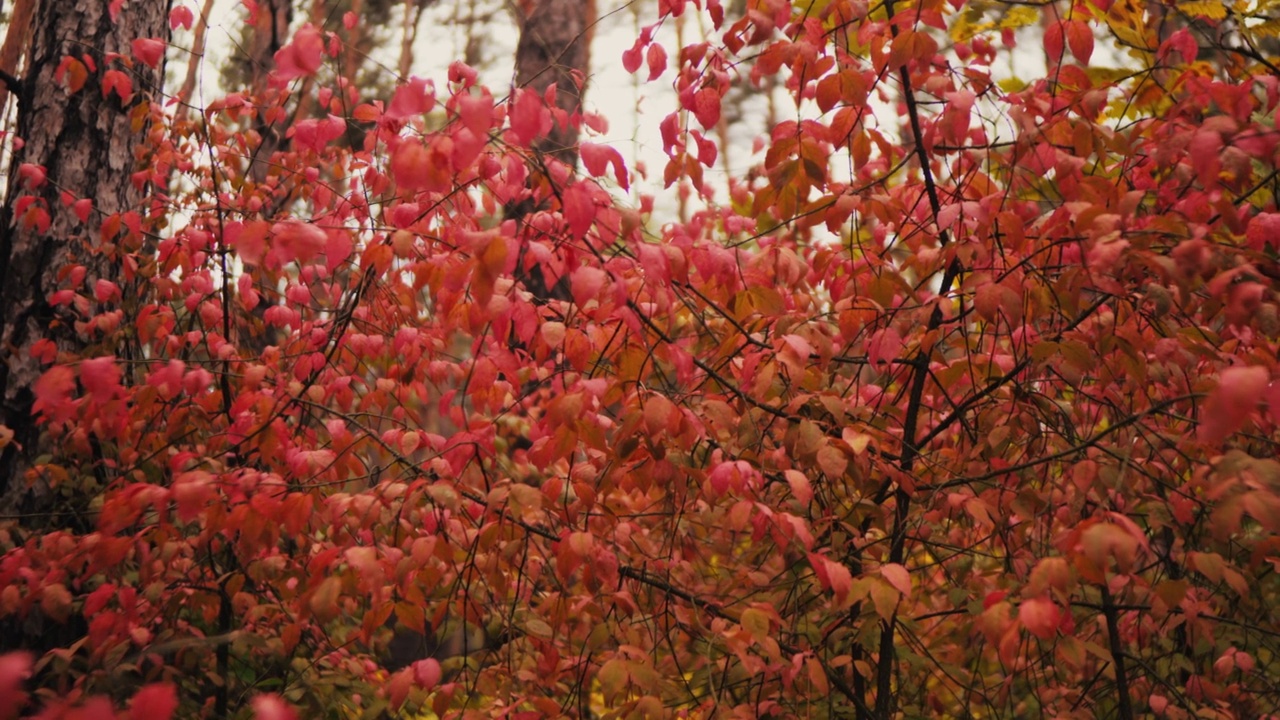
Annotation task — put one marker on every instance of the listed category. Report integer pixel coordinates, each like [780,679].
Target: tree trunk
[86,144]
[555,48]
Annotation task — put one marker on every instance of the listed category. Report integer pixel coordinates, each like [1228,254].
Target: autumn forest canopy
[924,366]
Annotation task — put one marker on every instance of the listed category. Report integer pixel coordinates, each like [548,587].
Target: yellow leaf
[755,622]
[1212,9]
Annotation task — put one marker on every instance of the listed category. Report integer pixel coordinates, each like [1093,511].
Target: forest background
[919,359]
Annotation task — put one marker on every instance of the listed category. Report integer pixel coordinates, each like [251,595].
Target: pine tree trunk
[555,48]
[85,142]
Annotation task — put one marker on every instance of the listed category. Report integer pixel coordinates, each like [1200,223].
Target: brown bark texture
[554,48]
[86,144]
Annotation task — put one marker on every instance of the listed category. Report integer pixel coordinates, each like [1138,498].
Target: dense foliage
[964,402]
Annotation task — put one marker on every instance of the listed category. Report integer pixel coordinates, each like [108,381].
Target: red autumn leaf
[154,702]
[586,284]
[801,488]
[105,291]
[53,394]
[706,107]
[598,158]
[633,56]
[72,73]
[1040,616]
[83,208]
[1054,41]
[414,98]
[707,150]
[101,378]
[32,176]
[271,707]
[897,576]
[832,576]
[181,17]
[15,668]
[316,133]
[427,673]
[1230,404]
[476,112]
[115,81]
[409,166]
[1182,42]
[1264,231]
[296,242]
[530,118]
[302,56]
[656,57]
[884,347]
[579,209]
[670,129]
[149,50]
[1080,39]
[249,240]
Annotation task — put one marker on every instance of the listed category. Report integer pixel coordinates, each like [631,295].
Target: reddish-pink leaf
[476,112]
[148,50]
[415,97]
[586,284]
[1239,391]
[832,576]
[1080,40]
[154,702]
[105,291]
[579,209]
[249,240]
[101,378]
[530,118]
[15,668]
[53,392]
[897,576]
[83,208]
[115,81]
[1040,616]
[409,166]
[632,57]
[670,129]
[706,107]
[1264,231]
[302,56]
[800,486]
[32,176]
[72,72]
[656,57]
[296,242]
[427,673]
[271,707]
[181,17]
[884,347]
[597,159]
[316,133]
[1054,37]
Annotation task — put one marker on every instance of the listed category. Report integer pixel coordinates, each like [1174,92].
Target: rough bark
[554,48]
[86,145]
